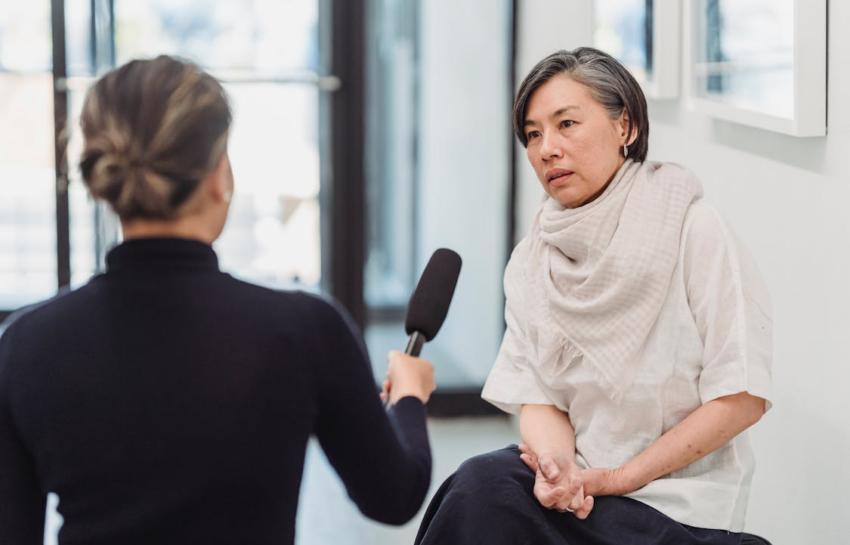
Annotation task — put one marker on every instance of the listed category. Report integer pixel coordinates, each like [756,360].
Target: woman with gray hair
[638,341]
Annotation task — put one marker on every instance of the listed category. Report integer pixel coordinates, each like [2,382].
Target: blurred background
[369,133]
[361,143]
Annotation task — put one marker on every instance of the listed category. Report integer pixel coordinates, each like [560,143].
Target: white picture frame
[760,63]
[620,29]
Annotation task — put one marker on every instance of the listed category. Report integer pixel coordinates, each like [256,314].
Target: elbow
[754,409]
[398,512]
[396,517]
[397,504]
[756,414]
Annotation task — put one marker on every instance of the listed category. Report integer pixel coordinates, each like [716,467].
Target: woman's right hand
[408,376]
[558,482]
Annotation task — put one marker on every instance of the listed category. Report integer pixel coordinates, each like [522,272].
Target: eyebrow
[557,113]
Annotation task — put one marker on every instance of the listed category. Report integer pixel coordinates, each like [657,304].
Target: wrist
[561,457]
[398,394]
[625,480]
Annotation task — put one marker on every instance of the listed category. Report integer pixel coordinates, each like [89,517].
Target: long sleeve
[384,460]
[22,504]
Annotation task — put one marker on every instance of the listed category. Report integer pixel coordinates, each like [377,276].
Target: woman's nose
[550,147]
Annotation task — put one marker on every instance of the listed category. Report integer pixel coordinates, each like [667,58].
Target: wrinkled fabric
[593,279]
[712,338]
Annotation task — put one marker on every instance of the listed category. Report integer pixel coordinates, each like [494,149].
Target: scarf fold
[591,281]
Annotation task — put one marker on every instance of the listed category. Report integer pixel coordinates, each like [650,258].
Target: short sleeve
[512,381]
[731,307]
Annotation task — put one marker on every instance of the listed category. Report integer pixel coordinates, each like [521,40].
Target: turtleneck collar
[162,254]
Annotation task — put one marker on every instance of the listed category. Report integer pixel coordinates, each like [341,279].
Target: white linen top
[713,338]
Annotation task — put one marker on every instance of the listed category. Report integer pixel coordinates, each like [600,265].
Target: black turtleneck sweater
[167,402]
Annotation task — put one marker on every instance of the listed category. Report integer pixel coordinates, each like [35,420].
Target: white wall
[543,26]
[464,141]
[789,199]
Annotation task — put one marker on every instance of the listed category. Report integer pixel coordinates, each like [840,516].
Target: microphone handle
[414,344]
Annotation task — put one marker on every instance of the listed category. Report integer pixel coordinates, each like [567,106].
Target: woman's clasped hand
[561,485]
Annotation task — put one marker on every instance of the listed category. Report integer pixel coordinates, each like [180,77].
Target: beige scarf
[592,280]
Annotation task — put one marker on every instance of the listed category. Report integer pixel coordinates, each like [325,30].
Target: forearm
[701,433]
[547,429]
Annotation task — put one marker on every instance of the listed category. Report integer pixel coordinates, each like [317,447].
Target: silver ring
[565,510]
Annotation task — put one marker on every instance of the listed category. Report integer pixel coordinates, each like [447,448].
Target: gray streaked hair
[608,81]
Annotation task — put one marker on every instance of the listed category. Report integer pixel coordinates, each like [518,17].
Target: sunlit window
[27,178]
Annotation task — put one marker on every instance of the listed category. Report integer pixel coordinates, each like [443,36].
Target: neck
[188,228]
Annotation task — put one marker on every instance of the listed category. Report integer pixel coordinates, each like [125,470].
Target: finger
[549,498]
[577,502]
[527,450]
[529,461]
[585,509]
[549,468]
[578,499]
[573,487]
[572,499]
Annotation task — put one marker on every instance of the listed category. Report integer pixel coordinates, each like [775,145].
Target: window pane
[623,29]
[27,209]
[259,36]
[272,232]
[745,54]
[94,228]
[392,140]
[447,122]
[25,40]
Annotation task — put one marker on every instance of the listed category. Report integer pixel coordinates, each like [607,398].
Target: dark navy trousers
[489,500]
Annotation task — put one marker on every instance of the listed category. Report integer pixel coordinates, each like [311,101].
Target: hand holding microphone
[426,312]
[408,376]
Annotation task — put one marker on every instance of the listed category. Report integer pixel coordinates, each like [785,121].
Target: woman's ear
[626,137]
[219,182]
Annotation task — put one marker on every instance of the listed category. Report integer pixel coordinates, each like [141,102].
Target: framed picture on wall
[759,62]
[644,35]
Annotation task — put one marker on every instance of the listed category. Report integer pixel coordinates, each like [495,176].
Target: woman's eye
[567,123]
[532,134]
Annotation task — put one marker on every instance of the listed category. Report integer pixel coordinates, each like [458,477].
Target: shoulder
[702,221]
[27,329]
[44,314]
[714,255]
[658,169]
[305,304]
[325,311]
[515,269]
[314,312]
[705,233]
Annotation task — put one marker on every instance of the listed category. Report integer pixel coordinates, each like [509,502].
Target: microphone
[430,301]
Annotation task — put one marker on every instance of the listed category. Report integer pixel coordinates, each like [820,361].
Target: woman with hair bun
[638,342]
[167,402]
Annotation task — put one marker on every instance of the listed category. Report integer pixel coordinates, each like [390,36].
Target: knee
[493,470]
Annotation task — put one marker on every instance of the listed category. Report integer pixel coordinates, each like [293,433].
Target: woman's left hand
[557,483]
[595,481]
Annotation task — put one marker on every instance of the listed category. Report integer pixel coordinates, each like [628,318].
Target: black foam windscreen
[430,301]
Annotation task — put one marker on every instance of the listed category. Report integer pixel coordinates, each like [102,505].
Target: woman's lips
[558,177]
